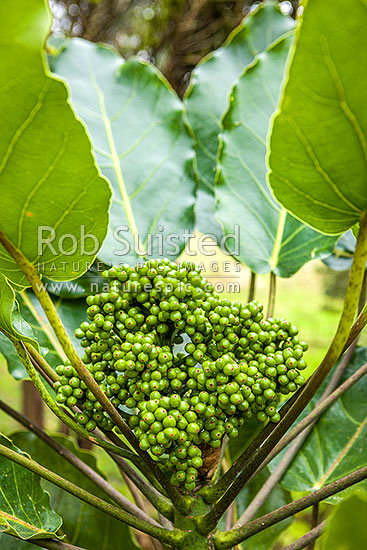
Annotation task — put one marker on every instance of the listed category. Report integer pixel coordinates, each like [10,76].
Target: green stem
[363,295]
[314,523]
[251,292]
[65,453]
[228,539]
[39,369]
[48,307]
[158,532]
[208,522]
[272,294]
[46,367]
[357,327]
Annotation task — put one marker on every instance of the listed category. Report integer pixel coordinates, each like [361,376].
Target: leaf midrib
[14,519]
[115,160]
[343,453]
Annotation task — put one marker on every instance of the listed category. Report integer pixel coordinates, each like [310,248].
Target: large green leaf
[347,529]
[48,177]
[25,509]
[207,96]
[337,444]
[270,239]
[135,121]
[83,525]
[318,157]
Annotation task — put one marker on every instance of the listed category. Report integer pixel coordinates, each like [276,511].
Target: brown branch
[308,538]
[160,502]
[314,523]
[272,294]
[41,363]
[251,292]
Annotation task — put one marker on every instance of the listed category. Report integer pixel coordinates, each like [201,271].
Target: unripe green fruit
[193,428]
[234,364]
[160,413]
[90,425]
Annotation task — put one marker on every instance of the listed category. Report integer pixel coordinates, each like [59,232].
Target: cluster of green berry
[189,365]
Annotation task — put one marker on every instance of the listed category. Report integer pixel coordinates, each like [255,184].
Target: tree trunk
[32,403]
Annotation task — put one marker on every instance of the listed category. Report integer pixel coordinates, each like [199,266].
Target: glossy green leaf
[49,183]
[318,157]
[337,445]
[135,122]
[347,529]
[11,543]
[83,525]
[25,509]
[270,239]
[342,257]
[279,497]
[207,96]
